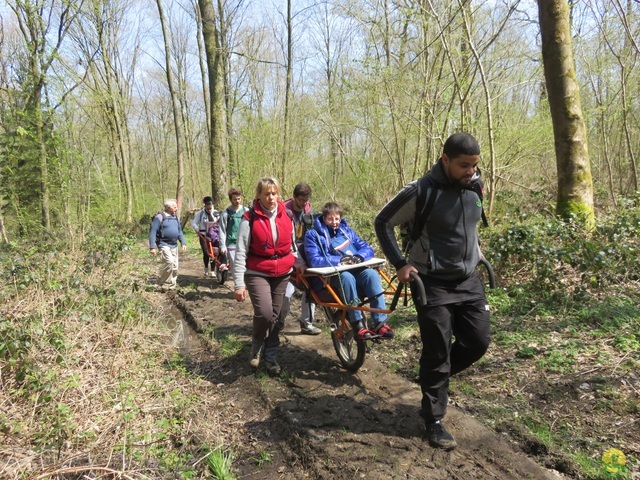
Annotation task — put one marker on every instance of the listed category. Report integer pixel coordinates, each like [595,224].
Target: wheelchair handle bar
[421,295]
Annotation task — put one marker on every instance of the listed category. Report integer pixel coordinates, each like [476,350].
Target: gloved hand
[358,259]
[346,260]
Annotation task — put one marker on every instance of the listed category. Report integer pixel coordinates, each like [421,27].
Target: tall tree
[217,145]
[44,25]
[575,185]
[112,83]
[287,97]
[177,116]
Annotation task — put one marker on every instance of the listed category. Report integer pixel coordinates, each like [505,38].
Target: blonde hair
[268,182]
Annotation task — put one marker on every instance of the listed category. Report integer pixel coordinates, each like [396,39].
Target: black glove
[358,259]
[346,260]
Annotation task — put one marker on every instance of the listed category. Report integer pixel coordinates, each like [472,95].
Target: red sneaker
[364,334]
[384,331]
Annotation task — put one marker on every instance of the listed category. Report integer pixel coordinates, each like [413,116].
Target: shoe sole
[443,446]
[309,332]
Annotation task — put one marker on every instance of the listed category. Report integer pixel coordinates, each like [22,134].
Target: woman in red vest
[265,254]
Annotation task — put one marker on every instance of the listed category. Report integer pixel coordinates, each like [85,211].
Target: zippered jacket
[322,250]
[448,247]
[265,245]
[229,224]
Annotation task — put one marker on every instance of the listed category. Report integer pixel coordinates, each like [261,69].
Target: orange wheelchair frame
[220,264]
[350,350]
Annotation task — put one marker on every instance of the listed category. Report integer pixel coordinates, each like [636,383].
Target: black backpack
[425,200]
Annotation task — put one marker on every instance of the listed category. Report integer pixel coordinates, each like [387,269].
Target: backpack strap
[163,216]
[426,197]
[425,200]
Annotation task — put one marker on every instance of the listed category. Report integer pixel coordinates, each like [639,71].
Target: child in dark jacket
[332,242]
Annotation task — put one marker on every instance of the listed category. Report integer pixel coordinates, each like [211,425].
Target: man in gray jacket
[444,253]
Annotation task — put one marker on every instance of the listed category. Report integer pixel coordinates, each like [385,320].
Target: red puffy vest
[264,256]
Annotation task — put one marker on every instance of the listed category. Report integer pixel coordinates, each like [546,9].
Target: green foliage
[262,458]
[230,344]
[219,462]
[545,256]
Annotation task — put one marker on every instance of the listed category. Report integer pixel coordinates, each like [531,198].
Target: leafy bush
[546,255]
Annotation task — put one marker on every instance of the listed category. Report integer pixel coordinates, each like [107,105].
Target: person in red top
[265,254]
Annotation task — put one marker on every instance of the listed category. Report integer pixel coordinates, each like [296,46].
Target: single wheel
[350,351]
[221,275]
[487,275]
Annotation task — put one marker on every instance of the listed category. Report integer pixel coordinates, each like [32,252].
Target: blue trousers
[360,283]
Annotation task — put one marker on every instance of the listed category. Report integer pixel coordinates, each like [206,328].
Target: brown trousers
[266,294]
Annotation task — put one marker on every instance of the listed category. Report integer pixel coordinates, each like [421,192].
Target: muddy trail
[316,420]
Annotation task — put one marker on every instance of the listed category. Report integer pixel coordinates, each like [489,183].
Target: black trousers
[442,357]
[205,253]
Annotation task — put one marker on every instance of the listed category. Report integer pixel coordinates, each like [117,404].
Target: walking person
[445,254]
[299,206]
[206,215]
[164,235]
[264,259]
[229,223]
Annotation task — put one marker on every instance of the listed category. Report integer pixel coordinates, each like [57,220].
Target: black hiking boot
[438,436]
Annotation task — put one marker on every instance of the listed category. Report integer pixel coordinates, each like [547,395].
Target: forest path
[317,420]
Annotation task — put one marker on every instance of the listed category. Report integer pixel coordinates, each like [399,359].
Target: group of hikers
[266,242]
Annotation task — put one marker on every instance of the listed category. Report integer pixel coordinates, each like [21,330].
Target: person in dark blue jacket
[164,235]
[331,243]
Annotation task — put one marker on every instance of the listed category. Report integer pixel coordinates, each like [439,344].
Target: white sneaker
[309,329]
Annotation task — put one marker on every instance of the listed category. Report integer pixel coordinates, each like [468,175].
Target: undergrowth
[88,381]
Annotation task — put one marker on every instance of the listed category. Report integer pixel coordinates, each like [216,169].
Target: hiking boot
[384,330]
[273,368]
[438,436]
[255,358]
[309,329]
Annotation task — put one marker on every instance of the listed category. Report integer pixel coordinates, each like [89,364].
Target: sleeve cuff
[400,264]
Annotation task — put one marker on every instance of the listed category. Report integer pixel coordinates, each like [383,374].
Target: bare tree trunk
[225,26]
[115,116]
[487,95]
[287,97]
[217,151]
[575,184]
[203,69]
[3,233]
[625,125]
[177,117]
[44,167]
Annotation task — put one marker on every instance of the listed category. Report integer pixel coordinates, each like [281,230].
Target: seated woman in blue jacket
[329,243]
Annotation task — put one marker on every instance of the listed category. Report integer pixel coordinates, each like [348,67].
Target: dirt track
[317,420]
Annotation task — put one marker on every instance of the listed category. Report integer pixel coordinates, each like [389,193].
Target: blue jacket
[323,246]
[165,231]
